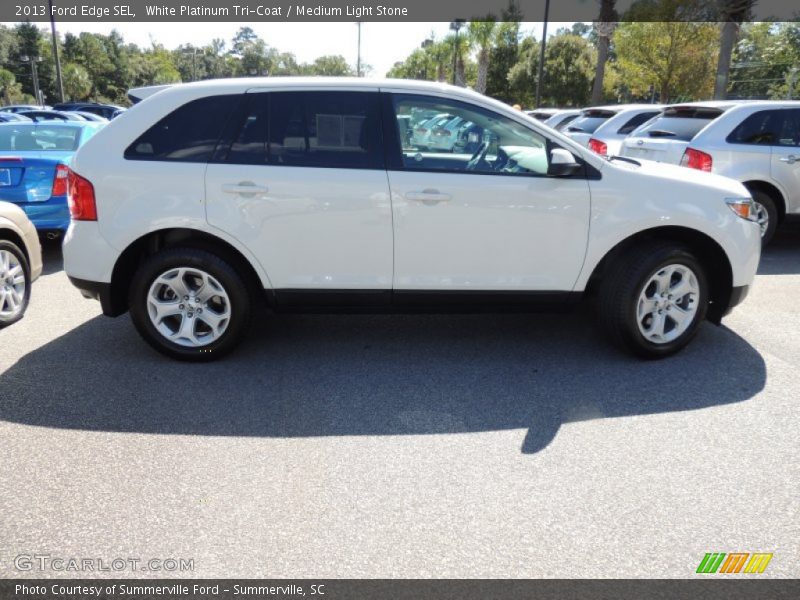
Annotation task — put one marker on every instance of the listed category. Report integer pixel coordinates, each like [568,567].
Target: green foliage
[763,61]
[77,82]
[677,58]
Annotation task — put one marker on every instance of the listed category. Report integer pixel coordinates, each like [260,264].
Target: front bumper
[738,294]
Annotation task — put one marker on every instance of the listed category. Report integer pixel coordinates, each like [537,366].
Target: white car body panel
[528,233]
[329,228]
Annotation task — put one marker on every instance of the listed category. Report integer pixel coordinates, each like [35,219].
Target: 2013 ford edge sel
[206,198]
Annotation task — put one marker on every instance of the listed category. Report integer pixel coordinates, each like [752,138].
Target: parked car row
[754,142]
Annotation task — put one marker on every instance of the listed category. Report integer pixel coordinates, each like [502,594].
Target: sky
[382,44]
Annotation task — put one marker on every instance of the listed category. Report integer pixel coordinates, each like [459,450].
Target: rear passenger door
[299,178]
[785,167]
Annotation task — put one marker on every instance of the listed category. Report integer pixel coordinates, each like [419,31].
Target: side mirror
[562,163]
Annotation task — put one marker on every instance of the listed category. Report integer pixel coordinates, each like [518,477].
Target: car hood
[677,174]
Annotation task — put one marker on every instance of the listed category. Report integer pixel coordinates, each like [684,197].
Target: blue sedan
[33,168]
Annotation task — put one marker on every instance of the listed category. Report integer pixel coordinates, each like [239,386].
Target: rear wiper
[577,129]
[625,159]
[661,133]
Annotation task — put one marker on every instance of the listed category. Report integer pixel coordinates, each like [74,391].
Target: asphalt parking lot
[404,446]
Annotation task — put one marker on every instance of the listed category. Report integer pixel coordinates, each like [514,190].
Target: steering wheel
[478,157]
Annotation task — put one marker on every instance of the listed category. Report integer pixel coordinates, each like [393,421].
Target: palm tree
[732,13]
[481,35]
[440,52]
[604,27]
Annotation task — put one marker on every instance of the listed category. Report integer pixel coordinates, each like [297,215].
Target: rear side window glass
[325,129]
[678,122]
[249,142]
[187,134]
[634,122]
[768,128]
[589,120]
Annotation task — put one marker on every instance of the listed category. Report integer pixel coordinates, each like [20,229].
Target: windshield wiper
[625,159]
[661,133]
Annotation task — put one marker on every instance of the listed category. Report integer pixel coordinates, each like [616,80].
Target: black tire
[11,247]
[625,281]
[193,258]
[768,202]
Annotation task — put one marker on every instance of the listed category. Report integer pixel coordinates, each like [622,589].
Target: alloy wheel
[189,307]
[12,285]
[667,304]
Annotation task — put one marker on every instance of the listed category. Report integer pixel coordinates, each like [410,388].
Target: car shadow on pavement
[51,256]
[782,255]
[351,375]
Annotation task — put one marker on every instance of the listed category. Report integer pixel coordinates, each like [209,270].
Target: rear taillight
[694,159]
[597,146]
[80,196]
[60,181]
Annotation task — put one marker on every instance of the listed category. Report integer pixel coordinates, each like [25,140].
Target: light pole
[35,76]
[792,79]
[425,45]
[541,54]
[456,26]
[358,58]
[56,57]
[193,52]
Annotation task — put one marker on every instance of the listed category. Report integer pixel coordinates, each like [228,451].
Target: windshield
[43,138]
[678,123]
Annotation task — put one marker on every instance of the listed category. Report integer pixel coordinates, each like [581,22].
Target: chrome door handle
[791,159]
[245,188]
[428,196]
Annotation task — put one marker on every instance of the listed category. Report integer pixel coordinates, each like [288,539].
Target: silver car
[592,118]
[758,144]
[20,262]
[562,118]
[607,138]
[665,137]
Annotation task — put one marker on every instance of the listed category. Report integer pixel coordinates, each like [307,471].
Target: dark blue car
[33,168]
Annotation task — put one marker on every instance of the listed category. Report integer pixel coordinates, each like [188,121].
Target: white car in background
[542,114]
[664,138]
[20,262]
[590,119]
[562,118]
[189,215]
[607,138]
[757,143]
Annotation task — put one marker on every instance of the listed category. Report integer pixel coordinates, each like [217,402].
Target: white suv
[757,143]
[207,199]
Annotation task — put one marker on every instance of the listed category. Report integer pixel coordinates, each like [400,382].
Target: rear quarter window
[768,128]
[188,134]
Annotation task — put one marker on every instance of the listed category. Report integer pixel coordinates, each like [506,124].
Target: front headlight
[743,207]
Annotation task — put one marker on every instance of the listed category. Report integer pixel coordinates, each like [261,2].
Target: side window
[187,134]
[634,122]
[761,128]
[436,134]
[248,132]
[325,129]
[790,129]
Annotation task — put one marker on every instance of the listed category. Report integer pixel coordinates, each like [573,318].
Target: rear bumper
[52,215]
[96,290]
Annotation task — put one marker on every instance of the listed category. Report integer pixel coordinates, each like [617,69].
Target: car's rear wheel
[189,304]
[766,215]
[653,301]
[15,283]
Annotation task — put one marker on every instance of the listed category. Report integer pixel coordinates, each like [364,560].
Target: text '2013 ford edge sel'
[206,198]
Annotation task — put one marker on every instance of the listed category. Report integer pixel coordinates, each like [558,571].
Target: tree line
[612,60]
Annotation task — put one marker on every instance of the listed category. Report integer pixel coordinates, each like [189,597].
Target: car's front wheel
[766,215]
[189,304]
[653,301]
[15,283]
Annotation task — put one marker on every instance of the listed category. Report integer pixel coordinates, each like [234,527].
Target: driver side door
[488,220]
